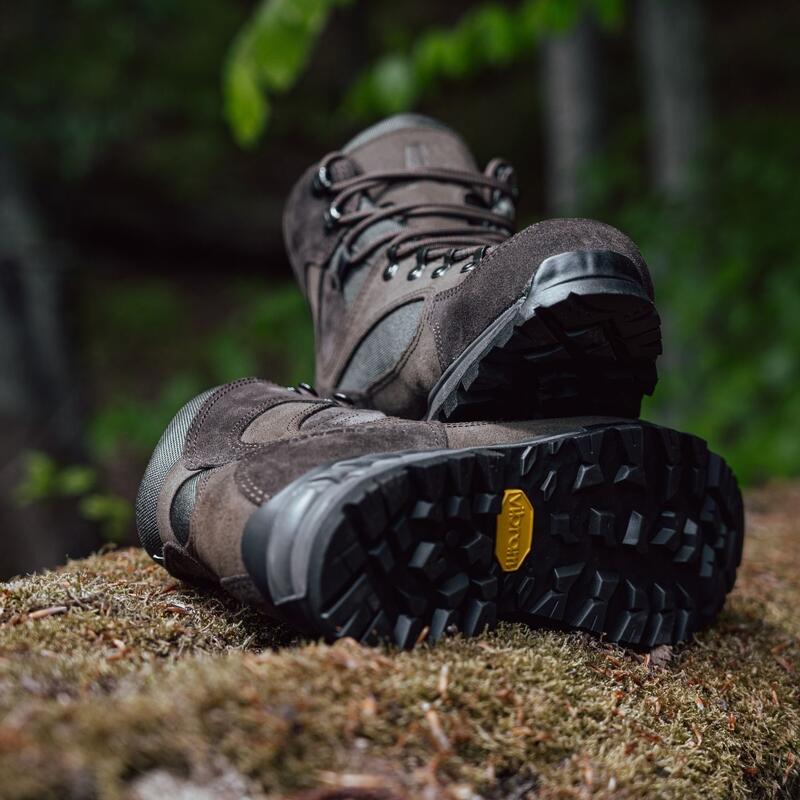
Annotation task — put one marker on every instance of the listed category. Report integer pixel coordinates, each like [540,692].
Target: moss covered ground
[118,682]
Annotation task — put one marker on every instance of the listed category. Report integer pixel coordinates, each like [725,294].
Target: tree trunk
[573,114]
[671,47]
[39,402]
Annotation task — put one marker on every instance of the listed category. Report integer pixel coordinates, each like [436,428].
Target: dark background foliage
[146,148]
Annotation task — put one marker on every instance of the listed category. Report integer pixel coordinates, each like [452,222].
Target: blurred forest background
[146,148]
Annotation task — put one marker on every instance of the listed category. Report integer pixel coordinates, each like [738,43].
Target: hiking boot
[347,523]
[425,304]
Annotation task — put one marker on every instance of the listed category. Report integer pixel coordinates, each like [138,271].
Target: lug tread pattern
[587,354]
[640,562]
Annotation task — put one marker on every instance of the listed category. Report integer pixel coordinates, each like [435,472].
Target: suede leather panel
[330,329]
[461,313]
[338,416]
[218,523]
[488,434]
[304,234]
[281,420]
[214,437]
[265,471]
[240,417]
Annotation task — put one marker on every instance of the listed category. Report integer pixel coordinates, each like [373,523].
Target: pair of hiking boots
[474,453]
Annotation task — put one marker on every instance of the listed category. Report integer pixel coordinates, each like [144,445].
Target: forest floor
[118,682]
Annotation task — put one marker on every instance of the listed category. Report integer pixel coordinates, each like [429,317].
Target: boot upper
[373,231]
[406,252]
[233,448]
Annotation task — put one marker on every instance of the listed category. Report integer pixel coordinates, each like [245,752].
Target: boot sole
[629,531]
[583,340]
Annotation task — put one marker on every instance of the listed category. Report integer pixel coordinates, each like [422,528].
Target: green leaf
[274,46]
[280,38]
[75,480]
[392,80]
[39,477]
[489,35]
[114,513]
[496,34]
[436,54]
[246,106]
[610,13]
[267,57]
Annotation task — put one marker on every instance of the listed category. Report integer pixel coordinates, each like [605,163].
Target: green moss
[131,681]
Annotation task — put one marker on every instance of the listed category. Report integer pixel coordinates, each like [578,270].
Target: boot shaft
[417,285]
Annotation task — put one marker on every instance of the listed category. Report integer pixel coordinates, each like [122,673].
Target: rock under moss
[118,682]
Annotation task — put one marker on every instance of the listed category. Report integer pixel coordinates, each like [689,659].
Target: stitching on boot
[247,481]
[197,423]
[296,422]
[447,294]
[235,437]
[344,355]
[393,373]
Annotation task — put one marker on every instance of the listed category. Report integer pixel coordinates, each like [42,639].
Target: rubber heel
[583,273]
[595,333]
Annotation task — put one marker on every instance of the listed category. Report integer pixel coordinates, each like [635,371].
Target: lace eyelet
[468,267]
[505,172]
[447,262]
[422,262]
[321,182]
[390,271]
[332,217]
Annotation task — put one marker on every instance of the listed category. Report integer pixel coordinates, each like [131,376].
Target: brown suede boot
[425,305]
[345,522]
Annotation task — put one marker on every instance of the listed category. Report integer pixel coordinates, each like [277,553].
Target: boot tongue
[409,142]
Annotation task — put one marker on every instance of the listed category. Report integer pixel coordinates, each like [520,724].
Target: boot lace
[484,220]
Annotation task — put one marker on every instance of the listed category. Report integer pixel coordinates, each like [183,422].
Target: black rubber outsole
[637,533]
[584,340]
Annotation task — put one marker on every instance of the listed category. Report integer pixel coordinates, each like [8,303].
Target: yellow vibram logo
[514,530]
